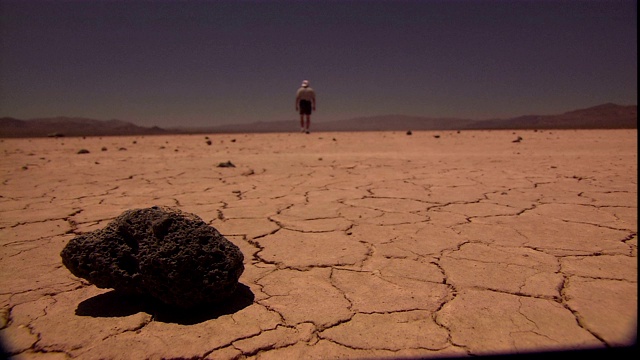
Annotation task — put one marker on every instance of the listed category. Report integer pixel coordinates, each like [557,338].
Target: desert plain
[357,245]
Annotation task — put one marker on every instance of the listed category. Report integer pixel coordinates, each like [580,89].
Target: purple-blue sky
[202,63]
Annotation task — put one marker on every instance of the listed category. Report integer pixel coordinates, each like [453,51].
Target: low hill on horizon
[71,126]
[605,116]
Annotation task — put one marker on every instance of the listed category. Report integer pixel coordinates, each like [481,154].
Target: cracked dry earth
[357,245]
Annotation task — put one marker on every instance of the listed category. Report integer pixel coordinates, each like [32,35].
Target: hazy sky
[200,63]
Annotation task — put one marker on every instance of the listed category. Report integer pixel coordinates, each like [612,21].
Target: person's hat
[305,83]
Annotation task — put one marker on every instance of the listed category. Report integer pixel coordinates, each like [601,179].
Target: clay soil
[357,245]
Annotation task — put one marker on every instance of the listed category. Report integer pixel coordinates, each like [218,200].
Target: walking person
[305,104]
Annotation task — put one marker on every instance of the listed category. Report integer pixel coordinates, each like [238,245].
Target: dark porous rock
[162,252]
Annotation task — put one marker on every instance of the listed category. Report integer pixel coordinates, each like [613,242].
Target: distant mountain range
[67,126]
[606,116]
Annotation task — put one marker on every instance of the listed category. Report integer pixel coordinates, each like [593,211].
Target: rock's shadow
[116,304]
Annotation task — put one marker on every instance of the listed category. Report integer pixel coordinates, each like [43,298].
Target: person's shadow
[116,304]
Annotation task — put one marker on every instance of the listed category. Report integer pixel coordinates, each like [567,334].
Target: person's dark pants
[305,107]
